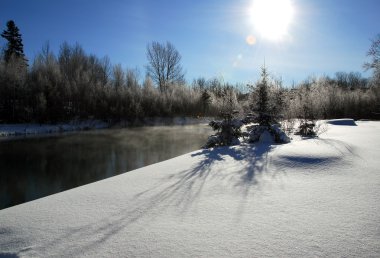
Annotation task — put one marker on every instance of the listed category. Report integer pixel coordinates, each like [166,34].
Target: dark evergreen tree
[14,93]
[263,115]
[228,130]
[263,100]
[14,47]
[206,101]
[262,111]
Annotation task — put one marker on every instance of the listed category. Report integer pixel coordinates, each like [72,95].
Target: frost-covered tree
[374,65]
[262,106]
[374,54]
[14,91]
[267,100]
[228,129]
[264,112]
[118,75]
[164,64]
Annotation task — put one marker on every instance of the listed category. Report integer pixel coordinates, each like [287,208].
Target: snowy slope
[315,197]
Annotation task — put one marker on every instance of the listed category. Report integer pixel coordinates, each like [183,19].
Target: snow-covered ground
[308,198]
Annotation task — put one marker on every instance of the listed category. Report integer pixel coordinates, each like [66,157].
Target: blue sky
[324,37]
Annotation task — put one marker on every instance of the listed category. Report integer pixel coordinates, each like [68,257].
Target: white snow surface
[308,198]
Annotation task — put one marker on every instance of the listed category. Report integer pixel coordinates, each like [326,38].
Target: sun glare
[271,18]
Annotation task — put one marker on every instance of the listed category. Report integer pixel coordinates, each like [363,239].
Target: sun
[271,18]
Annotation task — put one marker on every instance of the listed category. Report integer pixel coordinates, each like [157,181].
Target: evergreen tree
[14,47]
[228,130]
[206,100]
[263,116]
[262,112]
[262,102]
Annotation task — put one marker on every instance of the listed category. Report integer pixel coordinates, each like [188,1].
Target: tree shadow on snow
[238,168]
[250,161]
[185,187]
[8,255]
[179,190]
[253,160]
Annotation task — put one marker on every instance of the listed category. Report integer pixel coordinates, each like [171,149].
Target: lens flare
[251,40]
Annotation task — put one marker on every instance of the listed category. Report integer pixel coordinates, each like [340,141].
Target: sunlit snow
[307,198]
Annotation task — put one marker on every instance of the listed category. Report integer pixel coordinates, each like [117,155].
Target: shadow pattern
[182,191]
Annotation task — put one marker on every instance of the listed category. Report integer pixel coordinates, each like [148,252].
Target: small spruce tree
[264,118]
[205,100]
[263,114]
[228,130]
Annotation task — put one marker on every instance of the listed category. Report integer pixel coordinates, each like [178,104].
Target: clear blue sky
[324,37]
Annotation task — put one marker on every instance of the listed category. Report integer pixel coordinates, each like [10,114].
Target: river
[35,167]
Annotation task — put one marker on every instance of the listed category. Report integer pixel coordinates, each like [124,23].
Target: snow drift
[315,197]
[343,121]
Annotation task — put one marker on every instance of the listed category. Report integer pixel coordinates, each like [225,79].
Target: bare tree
[374,64]
[118,77]
[164,64]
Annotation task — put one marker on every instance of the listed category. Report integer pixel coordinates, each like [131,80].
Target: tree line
[75,85]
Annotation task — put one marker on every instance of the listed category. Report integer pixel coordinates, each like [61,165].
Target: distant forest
[75,85]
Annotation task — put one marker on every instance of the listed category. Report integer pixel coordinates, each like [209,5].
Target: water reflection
[36,167]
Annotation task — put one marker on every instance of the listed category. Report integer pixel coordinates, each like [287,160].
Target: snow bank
[343,121]
[28,129]
[315,197]
[31,129]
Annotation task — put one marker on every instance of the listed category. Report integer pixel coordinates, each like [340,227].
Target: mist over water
[35,167]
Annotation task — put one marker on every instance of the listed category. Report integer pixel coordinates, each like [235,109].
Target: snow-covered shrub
[288,125]
[310,128]
[228,130]
[257,132]
[279,135]
[228,133]
[254,132]
[306,128]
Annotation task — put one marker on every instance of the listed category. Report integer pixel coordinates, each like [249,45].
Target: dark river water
[31,168]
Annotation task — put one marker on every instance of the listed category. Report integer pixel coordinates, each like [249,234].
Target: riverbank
[7,130]
[40,165]
[10,130]
[313,197]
